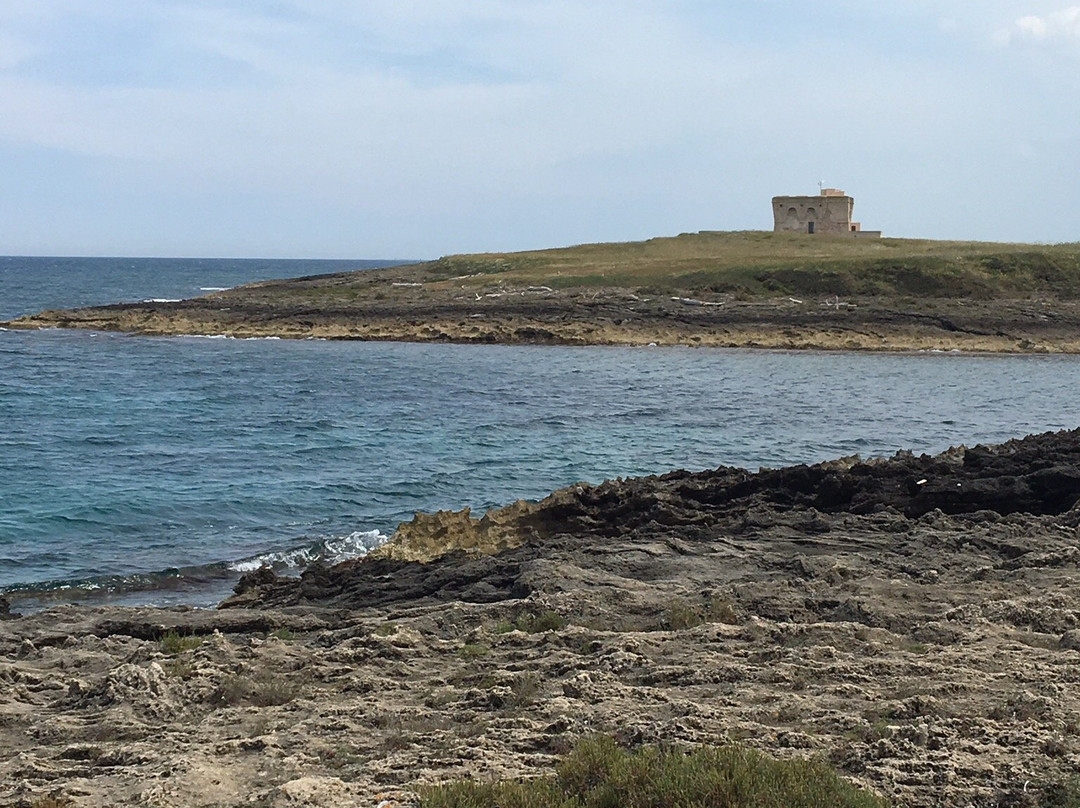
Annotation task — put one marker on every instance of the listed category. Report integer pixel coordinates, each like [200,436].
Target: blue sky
[402,128]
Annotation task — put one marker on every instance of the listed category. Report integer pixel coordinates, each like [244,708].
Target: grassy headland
[755,289]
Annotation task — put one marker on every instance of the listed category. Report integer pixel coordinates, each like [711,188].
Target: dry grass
[737,260]
[746,264]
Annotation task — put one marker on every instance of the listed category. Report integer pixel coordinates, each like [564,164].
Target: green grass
[473,651]
[598,773]
[764,262]
[539,622]
[747,264]
[172,642]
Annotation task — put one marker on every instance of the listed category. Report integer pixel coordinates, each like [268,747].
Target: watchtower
[828,212]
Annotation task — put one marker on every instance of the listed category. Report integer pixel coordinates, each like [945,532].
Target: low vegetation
[172,642]
[682,614]
[262,690]
[598,773]
[539,622]
[753,263]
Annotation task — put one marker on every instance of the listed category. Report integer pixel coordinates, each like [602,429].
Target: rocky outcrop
[449,555]
[914,620]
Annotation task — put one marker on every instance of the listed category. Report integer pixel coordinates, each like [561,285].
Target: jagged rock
[923,641]
[261,577]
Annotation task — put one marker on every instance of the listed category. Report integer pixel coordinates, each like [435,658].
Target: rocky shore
[914,620]
[739,290]
[607,317]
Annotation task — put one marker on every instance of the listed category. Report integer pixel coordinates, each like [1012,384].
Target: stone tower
[829,212]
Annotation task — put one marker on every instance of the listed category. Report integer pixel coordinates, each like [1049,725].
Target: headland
[741,289]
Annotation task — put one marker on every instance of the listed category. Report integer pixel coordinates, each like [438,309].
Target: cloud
[1057,25]
[503,123]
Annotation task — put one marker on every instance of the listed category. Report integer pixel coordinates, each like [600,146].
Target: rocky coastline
[606,317]
[915,621]
[732,290]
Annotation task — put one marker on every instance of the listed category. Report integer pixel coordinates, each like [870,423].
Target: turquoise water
[155,469]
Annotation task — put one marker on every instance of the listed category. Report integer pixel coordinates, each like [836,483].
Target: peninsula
[722,289]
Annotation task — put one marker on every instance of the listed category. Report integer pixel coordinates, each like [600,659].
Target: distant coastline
[739,290]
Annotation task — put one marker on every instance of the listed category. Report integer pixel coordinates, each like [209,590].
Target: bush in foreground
[598,773]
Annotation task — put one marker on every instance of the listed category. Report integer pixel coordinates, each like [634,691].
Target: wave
[161,300]
[214,288]
[222,336]
[203,584]
[332,551]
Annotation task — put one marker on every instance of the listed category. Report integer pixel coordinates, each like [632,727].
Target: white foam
[161,300]
[214,288]
[332,550]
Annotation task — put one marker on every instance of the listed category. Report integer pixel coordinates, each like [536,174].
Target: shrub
[173,642]
[52,802]
[537,622]
[681,614]
[267,690]
[473,651]
[523,690]
[598,773]
[1062,795]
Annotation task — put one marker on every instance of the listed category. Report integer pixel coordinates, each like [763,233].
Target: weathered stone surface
[920,635]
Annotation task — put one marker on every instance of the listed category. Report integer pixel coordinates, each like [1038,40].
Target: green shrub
[681,614]
[1062,795]
[473,651]
[172,642]
[523,690]
[598,773]
[537,622]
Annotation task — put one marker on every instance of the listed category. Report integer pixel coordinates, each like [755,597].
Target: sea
[156,470]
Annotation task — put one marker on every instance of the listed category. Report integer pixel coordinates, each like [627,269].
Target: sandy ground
[914,621]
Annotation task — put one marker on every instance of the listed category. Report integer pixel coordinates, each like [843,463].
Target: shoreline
[749,344]
[865,328]
[913,620]
[735,290]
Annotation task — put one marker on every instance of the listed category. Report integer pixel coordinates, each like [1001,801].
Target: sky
[411,129]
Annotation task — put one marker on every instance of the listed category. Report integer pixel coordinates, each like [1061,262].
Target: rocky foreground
[916,621]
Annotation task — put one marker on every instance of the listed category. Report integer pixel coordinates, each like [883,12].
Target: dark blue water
[155,468]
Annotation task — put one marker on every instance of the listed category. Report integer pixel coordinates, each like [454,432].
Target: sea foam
[331,551]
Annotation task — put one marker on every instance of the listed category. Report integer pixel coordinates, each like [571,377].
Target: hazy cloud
[1063,24]
[416,128]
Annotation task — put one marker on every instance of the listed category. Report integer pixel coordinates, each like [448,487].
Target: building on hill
[829,212]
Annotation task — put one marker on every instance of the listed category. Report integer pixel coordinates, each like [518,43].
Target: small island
[781,290]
